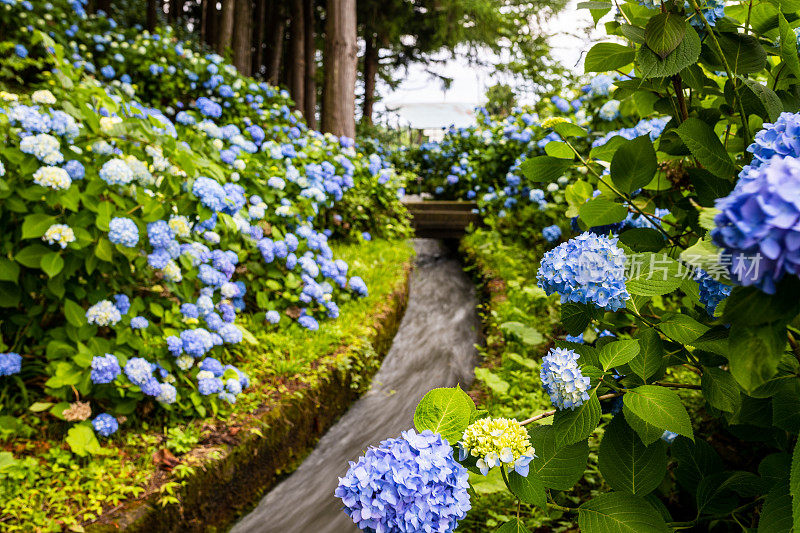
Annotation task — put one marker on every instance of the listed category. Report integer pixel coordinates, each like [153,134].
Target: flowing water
[434,347]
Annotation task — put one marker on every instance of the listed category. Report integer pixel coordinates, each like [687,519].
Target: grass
[45,487]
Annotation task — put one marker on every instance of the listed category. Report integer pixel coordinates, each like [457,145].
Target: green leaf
[627,464]
[660,407]
[754,353]
[744,53]
[647,433]
[599,212]
[653,274]
[618,353]
[544,168]
[685,54]
[706,147]
[31,255]
[494,382]
[664,32]
[559,468]
[606,152]
[642,239]
[618,512]
[794,485]
[9,270]
[788,44]
[526,334]
[445,411]
[634,164]
[696,461]
[720,389]
[38,407]
[52,264]
[559,149]
[575,317]
[104,250]
[573,426]
[648,361]
[529,489]
[750,306]
[568,129]
[514,525]
[776,514]
[82,441]
[35,225]
[786,407]
[682,328]
[74,313]
[760,99]
[608,56]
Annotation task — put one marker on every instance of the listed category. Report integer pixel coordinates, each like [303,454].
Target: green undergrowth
[46,487]
[520,324]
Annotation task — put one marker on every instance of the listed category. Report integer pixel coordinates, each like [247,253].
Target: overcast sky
[470,82]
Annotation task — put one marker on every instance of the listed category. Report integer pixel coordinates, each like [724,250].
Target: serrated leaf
[603,57]
[627,464]
[544,169]
[664,32]
[559,149]
[647,433]
[445,411]
[659,407]
[528,488]
[514,525]
[720,389]
[568,129]
[52,264]
[559,467]
[653,274]
[600,212]
[618,353]
[642,239]
[36,224]
[648,361]
[686,54]
[776,514]
[788,44]
[526,334]
[706,147]
[682,328]
[634,164]
[575,317]
[618,512]
[573,426]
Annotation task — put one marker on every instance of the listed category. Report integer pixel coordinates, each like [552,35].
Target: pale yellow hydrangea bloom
[498,442]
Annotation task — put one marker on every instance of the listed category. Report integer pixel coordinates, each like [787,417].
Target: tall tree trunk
[370,72]
[242,36]
[260,17]
[276,32]
[225,33]
[213,16]
[310,111]
[297,57]
[204,21]
[176,10]
[152,15]
[341,63]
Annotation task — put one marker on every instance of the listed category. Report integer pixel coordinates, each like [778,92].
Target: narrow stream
[434,347]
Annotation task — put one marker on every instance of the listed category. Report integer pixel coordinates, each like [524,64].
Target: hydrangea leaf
[600,212]
[706,147]
[514,525]
[754,353]
[574,425]
[544,169]
[664,33]
[681,328]
[653,274]
[529,489]
[559,467]
[684,55]
[647,433]
[788,46]
[776,514]
[559,149]
[618,353]
[445,411]
[634,164]
[526,334]
[627,464]
[603,57]
[52,264]
[35,225]
[618,512]
[721,390]
[794,485]
[660,407]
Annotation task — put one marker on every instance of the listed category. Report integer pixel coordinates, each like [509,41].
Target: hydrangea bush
[146,207]
[678,342]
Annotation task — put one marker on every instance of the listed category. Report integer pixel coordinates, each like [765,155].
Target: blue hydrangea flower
[551,233]
[209,385]
[10,363]
[212,365]
[273,317]
[168,394]
[308,322]
[358,286]
[104,424]
[123,231]
[407,484]
[138,370]
[75,170]
[116,172]
[781,138]
[759,225]
[575,338]
[562,379]
[139,322]
[105,368]
[669,436]
[609,110]
[712,292]
[587,269]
